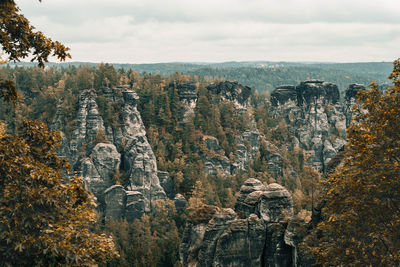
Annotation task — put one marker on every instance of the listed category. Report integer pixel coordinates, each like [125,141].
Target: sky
[151,31]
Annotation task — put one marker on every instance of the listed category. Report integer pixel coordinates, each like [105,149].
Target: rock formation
[350,100]
[214,160]
[117,163]
[188,97]
[312,110]
[247,144]
[256,233]
[120,167]
[315,117]
[232,91]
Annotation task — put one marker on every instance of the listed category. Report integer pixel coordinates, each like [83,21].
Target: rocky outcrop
[116,160]
[248,197]
[188,97]
[247,144]
[309,91]
[213,159]
[247,147]
[115,202]
[315,118]
[350,100]
[167,184]
[180,202]
[283,94]
[231,91]
[99,168]
[256,233]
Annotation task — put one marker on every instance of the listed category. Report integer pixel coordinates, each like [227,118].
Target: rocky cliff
[258,232]
[115,159]
[247,144]
[119,166]
[315,117]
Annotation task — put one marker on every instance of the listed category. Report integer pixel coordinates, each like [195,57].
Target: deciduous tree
[45,218]
[18,40]
[362,212]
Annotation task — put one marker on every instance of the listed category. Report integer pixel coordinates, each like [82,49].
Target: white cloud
[190,30]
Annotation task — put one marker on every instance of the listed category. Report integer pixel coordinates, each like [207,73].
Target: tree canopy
[45,218]
[18,40]
[362,212]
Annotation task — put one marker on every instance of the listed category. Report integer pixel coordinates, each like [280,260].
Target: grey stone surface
[255,234]
[115,200]
[135,205]
[283,94]
[215,161]
[92,151]
[180,203]
[248,197]
[315,118]
[276,204]
[350,99]
[232,91]
[188,97]
[167,184]
[241,244]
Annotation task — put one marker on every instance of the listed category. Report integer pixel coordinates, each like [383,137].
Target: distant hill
[261,75]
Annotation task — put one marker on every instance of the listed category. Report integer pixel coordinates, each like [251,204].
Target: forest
[179,148]
[262,76]
[347,214]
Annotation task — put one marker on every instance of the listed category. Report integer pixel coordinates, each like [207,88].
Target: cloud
[192,30]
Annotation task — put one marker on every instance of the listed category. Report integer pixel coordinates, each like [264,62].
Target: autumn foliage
[19,39]
[362,212]
[45,217]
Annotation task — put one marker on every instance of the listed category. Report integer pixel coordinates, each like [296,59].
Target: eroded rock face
[249,197]
[241,234]
[115,202]
[255,234]
[310,91]
[315,118]
[167,184]
[283,94]
[188,97]
[103,154]
[232,91]
[276,204]
[350,99]
[215,161]
[99,168]
[136,205]
[247,144]
[180,202]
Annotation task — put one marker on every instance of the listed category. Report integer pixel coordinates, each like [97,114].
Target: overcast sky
[149,31]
